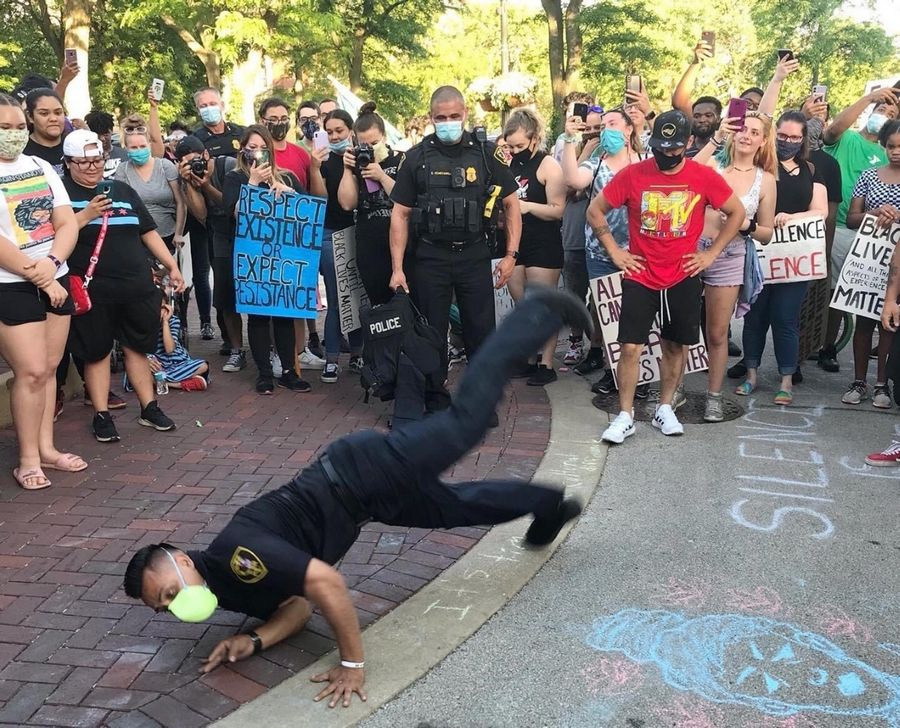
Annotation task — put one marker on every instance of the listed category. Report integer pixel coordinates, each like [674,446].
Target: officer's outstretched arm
[326,588]
[400,217]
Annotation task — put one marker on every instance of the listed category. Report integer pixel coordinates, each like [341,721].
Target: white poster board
[351,293]
[185,261]
[864,275]
[796,252]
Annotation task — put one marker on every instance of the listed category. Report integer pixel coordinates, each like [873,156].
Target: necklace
[738,169]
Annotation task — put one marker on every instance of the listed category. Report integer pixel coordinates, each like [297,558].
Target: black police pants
[438,273]
[396,477]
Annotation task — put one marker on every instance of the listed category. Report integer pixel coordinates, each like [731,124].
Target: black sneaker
[104,428]
[738,371]
[543,531]
[206,331]
[292,382]
[524,371]
[605,385]
[356,364]
[827,360]
[734,349]
[592,362]
[315,346]
[265,385]
[153,416]
[543,375]
[642,391]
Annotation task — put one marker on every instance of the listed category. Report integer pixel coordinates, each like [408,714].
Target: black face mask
[787,150]
[520,158]
[309,127]
[279,131]
[664,162]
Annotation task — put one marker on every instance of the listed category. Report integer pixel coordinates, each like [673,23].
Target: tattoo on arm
[602,230]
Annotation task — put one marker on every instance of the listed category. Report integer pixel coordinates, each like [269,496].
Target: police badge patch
[247,566]
[499,156]
[471,175]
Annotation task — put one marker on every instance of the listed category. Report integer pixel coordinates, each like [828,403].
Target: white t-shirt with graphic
[29,190]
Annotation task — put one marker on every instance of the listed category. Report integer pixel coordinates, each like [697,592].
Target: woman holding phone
[743,152]
[256,167]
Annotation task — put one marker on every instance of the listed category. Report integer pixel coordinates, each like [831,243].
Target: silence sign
[796,252]
[277,245]
[607,292]
[864,275]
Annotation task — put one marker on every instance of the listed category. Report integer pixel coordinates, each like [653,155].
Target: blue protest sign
[276,252]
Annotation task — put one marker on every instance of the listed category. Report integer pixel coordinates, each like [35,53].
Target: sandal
[745,388]
[784,397]
[66,462]
[21,477]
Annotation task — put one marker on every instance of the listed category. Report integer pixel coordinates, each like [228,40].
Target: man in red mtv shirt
[666,198]
[274,114]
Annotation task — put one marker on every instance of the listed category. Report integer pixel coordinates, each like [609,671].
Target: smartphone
[157,87]
[579,110]
[104,187]
[785,53]
[737,109]
[633,83]
[709,37]
[320,139]
[71,57]
[820,92]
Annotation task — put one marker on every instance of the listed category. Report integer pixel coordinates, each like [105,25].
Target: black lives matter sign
[864,275]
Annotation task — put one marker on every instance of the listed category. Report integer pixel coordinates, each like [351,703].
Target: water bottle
[162,386]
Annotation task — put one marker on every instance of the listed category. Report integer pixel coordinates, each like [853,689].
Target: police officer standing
[220,137]
[445,192]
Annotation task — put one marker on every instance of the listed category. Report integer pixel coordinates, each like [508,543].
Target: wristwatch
[514,254]
[257,642]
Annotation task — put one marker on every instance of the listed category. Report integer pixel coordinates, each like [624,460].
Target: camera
[365,155]
[198,167]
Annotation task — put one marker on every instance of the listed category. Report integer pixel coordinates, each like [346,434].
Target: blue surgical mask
[211,114]
[449,132]
[875,122]
[612,141]
[339,147]
[139,156]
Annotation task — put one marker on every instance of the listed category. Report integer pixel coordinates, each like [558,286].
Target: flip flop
[745,388]
[64,463]
[783,397]
[33,473]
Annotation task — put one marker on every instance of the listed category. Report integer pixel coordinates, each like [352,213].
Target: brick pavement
[74,651]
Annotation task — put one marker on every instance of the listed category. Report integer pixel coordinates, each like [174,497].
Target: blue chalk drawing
[774,667]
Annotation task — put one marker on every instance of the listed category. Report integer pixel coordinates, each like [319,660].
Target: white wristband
[353,665]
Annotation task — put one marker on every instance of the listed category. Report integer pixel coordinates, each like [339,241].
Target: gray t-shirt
[156,193]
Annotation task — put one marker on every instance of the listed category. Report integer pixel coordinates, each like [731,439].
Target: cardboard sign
[864,275]
[351,293]
[608,301]
[277,246]
[503,300]
[796,252]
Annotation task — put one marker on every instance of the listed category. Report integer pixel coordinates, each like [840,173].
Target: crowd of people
[97,213]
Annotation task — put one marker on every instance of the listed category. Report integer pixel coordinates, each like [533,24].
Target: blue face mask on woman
[448,132]
[139,156]
[612,141]
[339,147]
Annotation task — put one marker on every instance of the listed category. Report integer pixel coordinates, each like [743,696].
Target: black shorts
[134,324]
[223,284]
[680,319]
[24,303]
[540,254]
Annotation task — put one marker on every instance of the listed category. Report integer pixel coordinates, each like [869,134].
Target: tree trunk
[357,46]
[77,35]
[556,40]
[208,57]
[573,45]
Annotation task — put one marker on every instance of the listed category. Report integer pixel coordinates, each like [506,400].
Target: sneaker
[236,361]
[619,429]
[543,531]
[356,364]
[543,375]
[308,360]
[575,353]
[606,384]
[291,381]
[827,359]
[194,384]
[857,393]
[642,391]
[206,332]
[591,363]
[60,403]
[887,458]
[714,411]
[153,416]
[524,371]
[738,371]
[265,384]
[679,399]
[881,396]
[734,349]
[330,373]
[113,401]
[314,346]
[104,428]
[456,355]
[666,421]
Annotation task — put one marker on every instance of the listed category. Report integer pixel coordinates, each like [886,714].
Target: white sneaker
[666,421]
[308,360]
[619,429]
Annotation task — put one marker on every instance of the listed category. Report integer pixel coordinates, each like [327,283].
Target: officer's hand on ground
[233,649]
[504,271]
[628,263]
[342,683]
[398,280]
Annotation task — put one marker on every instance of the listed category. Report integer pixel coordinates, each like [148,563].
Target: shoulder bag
[79,286]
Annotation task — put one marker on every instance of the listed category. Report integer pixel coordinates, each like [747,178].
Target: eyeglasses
[84,163]
[786,138]
[135,129]
[302,119]
[279,120]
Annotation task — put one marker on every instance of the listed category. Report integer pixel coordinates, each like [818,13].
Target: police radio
[480,134]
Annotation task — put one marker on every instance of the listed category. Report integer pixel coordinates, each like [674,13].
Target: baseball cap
[176,136]
[671,130]
[30,83]
[76,142]
[189,145]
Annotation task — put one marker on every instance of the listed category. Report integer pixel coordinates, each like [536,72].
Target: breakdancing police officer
[443,189]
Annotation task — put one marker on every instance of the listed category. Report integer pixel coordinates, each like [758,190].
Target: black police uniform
[447,186]
[226,144]
[261,557]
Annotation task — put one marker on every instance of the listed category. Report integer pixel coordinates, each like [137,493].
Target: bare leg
[545,277]
[627,375]
[720,301]
[140,376]
[56,334]
[671,369]
[885,340]
[234,326]
[96,382]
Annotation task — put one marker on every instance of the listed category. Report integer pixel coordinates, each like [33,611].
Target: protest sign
[351,293]
[503,300]
[796,252]
[277,245]
[607,293]
[863,280]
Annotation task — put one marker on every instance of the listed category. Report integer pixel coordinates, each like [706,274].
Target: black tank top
[535,230]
